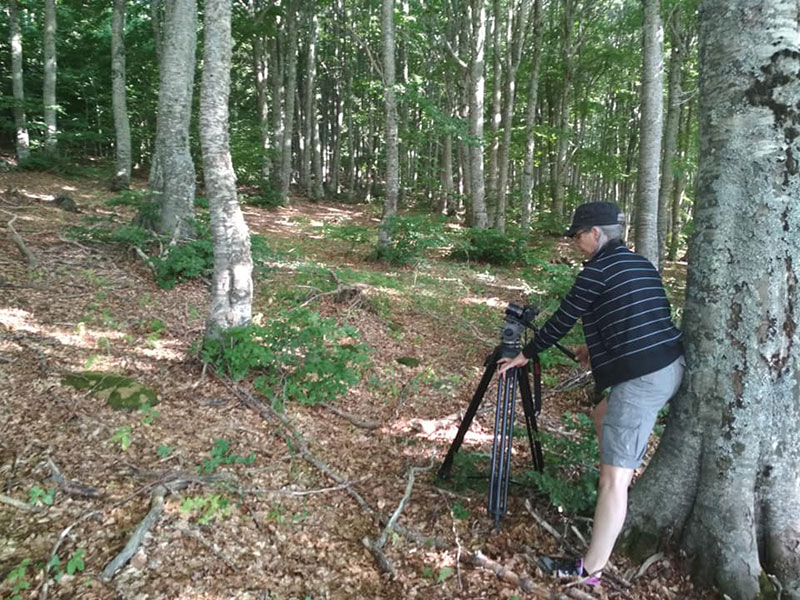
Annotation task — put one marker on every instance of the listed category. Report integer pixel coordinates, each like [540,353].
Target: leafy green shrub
[266,197]
[300,356]
[180,262]
[221,454]
[411,237]
[492,246]
[353,234]
[570,476]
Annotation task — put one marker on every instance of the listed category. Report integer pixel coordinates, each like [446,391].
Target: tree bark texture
[261,77]
[17,85]
[530,117]
[728,460]
[175,182]
[559,166]
[122,177]
[390,105]
[671,131]
[49,83]
[650,130]
[477,82]
[290,57]
[232,284]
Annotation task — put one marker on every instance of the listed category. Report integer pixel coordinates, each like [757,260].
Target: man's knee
[613,478]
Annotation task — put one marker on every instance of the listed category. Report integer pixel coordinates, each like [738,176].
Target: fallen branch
[73,488]
[193,533]
[286,492]
[33,262]
[18,503]
[357,421]
[522,581]
[156,507]
[647,564]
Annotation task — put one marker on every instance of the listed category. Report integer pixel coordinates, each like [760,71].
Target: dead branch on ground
[19,504]
[73,488]
[523,581]
[33,262]
[357,421]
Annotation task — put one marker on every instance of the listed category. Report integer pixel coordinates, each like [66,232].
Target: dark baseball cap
[595,213]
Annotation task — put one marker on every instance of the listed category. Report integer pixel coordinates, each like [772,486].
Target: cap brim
[571,231]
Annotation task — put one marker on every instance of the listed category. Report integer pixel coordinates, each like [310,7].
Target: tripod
[500,465]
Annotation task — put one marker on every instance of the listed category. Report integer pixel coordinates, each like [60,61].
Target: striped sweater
[626,317]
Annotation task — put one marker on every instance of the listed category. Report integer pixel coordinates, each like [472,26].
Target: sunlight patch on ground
[442,430]
[493,302]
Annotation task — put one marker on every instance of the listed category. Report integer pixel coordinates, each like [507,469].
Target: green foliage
[491,245]
[207,508]
[75,563]
[354,235]
[163,450]
[266,196]
[123,437]
[181,262]
[18,578]
[459,512]
[570,477]
[298,356]
[411,237]
[38,496]
[221,454]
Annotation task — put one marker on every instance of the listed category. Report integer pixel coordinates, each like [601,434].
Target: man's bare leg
[609,515]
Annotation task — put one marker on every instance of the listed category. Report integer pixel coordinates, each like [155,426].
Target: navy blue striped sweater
[626,317]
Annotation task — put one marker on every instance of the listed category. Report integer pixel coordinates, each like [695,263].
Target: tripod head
[518,318]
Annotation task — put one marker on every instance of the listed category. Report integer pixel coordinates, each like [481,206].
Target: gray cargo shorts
[633,407]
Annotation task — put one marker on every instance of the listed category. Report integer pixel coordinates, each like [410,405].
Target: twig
[647,564]
[185,529]
[73,488]
[18,503]
[523,581]
[358,422]
[286,492]
[33,262]
[156,507]
[542,523]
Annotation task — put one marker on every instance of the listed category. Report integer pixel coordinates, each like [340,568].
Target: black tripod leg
[501,448]
[447,464]
[530,420]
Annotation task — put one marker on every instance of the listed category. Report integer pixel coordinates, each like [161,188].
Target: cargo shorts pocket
[623,442]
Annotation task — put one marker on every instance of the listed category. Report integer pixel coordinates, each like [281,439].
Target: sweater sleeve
[576,303]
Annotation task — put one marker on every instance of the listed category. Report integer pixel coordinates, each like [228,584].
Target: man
[633,348]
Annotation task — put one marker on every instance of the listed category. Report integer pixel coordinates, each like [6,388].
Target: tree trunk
[174,177]
[311,149]
[530,117]
[728,460]
[671,131]
[122,128]
[390,103]
[559,166]
[650,128]
[49,83]
[496,112]
[680,184]
[290,57]
[18,89]
[231,285]
[261,76]
[477,84]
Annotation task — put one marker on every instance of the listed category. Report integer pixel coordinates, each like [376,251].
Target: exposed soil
[292,531]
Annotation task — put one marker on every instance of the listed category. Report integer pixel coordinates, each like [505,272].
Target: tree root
[357,421]
[73,488]
[522,581]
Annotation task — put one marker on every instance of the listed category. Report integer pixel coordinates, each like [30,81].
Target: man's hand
[582,354]
[509,363]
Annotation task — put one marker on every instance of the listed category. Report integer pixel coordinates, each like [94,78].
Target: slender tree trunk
[276,61]
[390,103]
[530,117]
[560,168]
[671,131]
[290,56]
[49,84]
[680,185]
[173,176]
[728,459]
[496,111]
[232,284]
[18,89]
[477,83]
[122,128]
[310,149]
[646,237]
[261,77]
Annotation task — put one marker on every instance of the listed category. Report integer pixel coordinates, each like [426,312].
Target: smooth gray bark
[559,168]
[530,116]
[650,130]
[477,83]
[728,460]
[276,77]
[290,56]
[17,86]
[390,106]
[671,131]
[232,284]
[49,83]
[261,77]
[172,178]
[122,129]
[496,23]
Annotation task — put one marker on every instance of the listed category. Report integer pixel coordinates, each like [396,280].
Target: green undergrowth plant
[354,235]
[412,236]
[491,245]
[221,454]
[570,476]
[206,508]
[298,355]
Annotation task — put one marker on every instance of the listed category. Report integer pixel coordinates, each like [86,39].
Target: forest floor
[285,523]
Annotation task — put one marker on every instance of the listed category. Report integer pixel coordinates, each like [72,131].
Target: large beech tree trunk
[49,84]
[728,463]
[18,89]
[477,84]
[122,128]
[390,105]
[530,117]
[650,133]
[232,284]
[172,176]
